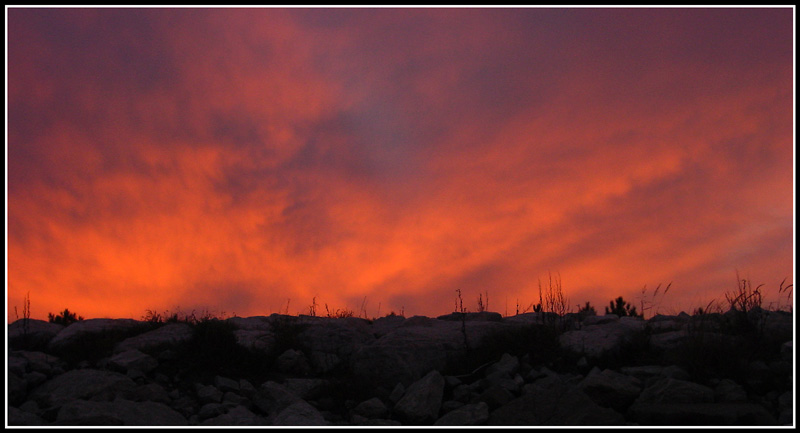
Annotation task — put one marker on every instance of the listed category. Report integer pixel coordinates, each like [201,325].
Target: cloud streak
[236,159]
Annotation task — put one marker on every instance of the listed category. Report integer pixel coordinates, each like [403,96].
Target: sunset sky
[238,159]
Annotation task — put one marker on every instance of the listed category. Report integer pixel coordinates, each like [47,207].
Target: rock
[450,405]
[273,397]
[470,414]
[232,399]
[703,414]
[507,365]
[667,341]
[595,341]
[600,320]
[668,390]
[225,384]
[17,389]
[207,393]
[728,391]
[560,405]
[150,392]
[611,389]
[133,359]
[18,417]
[90,328]
[299,413]
[261,323]
[82,384]
[397,393]
[371,409]
[257,340]
[402,356]
[32,333]
[422,400]
[118,412]
[334,343]
[37,361]
[496,396]
[165,336]
[237,416]
[386,324]
[211,410]
[294,362]
[485,316]
[306,388]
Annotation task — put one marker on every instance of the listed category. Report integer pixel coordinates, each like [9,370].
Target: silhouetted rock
[611,389]
[371,409]
[19,417]
[118,412]
[470,414]
[702,414]
[422,400]
[595,341]
[561,405]
[165,336]
[133,360]
[82,384]
[32,333]
[237,416]
[668,390]
[90,328]
[299,413]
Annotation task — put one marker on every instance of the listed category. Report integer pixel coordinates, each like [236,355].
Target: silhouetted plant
[652,304]
[622,308]
[338,313]
[587,310]
[745,298]
[65,317]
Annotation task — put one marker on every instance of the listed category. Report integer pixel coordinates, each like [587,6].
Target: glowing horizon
[234,159]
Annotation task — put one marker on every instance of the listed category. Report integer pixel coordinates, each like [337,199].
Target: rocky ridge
[457,369]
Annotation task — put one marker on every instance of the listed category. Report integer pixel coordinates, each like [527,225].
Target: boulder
[87,384]
[237,416]
[90,328]
[485,316]
[299,413]
[294,362]
[331,344]
[700,414]
[595,341]
[19,417]
[17,389]
[273,397]
[422,400]
[32,333]
[118,412]
[371,409]
[207,393]
[507,365]
[561,405]
[609,388]
[470,414]
[668,390]
[305,388]
[133,360]
[149,342]
[728,391]
[261,323]
[257,340]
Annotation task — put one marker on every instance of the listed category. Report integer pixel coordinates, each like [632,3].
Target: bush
[65,317]
[622,308]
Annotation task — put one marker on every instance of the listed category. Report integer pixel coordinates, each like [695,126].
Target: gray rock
[211,410]
[118,412]
[165,336]
[18,417]
[496,396]
[261,323]
[560,405]
[371,409]
[701,414]
[82,384]
[293,361]
[595,341]
[397,393]
[17,389]
[450,405]
[232,399]
[668,390]
[83,329]
[611,389]
[507,365]
[422,400]
[237,416]
[471,414]
[728,391]
[32,333]
[667,341]
[133,360]
[207,393]
[257,340]
[600,320]
[299,413]
[150,392]
[37,361]
[225,384]
[334,343]
[305,388]
[273,397]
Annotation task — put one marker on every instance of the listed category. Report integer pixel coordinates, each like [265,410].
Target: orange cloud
[240,160]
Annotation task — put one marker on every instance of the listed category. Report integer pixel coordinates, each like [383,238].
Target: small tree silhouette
[622,308]
[64,318]
[587,310]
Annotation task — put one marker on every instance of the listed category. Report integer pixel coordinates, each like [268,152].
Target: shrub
[65,317]
[622,308]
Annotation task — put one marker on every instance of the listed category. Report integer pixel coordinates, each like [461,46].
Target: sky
[253,161]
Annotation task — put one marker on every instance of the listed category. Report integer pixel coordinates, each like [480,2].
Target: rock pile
[455,370]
